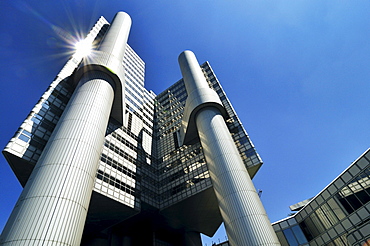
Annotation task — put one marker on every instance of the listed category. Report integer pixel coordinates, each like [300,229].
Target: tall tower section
[56,197]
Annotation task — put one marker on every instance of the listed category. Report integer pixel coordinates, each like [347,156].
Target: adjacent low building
[338,215]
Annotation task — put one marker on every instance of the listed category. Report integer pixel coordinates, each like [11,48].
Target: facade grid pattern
[339,215]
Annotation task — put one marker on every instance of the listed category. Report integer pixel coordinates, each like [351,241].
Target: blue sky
[296,72]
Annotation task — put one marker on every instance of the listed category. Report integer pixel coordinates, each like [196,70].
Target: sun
[83,48]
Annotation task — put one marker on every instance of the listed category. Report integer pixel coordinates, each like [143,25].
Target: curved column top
[200,95]
[191,72]
[108,59]
[116,38]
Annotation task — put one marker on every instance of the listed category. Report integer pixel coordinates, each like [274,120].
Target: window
[25,136]
[290,237]
[299,234]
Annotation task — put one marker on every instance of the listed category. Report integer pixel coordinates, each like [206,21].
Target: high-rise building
[104,161]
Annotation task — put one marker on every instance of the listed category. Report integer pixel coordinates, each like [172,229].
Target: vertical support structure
[53,206]
[245,219]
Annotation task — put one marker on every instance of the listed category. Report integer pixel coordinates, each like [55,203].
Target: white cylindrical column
[194,79]
[114,43]
[245,219]
[53,206]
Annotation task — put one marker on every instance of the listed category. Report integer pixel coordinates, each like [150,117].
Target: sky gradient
[296,72]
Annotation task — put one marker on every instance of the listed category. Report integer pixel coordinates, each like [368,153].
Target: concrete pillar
[245,219]
[53,206]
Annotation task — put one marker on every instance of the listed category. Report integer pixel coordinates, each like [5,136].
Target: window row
[121,153]
[117,183]
[113,163]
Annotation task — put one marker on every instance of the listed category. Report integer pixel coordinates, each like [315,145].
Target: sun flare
[83,47]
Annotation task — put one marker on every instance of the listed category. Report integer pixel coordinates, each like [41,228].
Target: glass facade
[182,168]
[339,215]
[128,147]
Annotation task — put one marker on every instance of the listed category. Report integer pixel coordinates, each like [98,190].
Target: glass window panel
[282,239]
[332,233]
[28,154]
[330,214]
[339,183]
[354,219]
[325,237]
[365,230]
[339,228]
[290,237]
[319,200]
[314,204]
[351,239]
[303,212]
[321,215]
[363,213]
[366,172]
[363,196]
[292,222]
[363,162]
[346,224]
[312,243]
[339,242]
[364,181]
[309,229]
[332,189]
[354,170]
[357,235]
[298,217]
[347,206]
[346,177]
[24,138]
[308,209]
[354,201]
[284,224]
[319,241]
[37,121]
[306,231]
[317,223]
[325,195]
[276,227]
[26,133]
[299,234]
[336,208]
